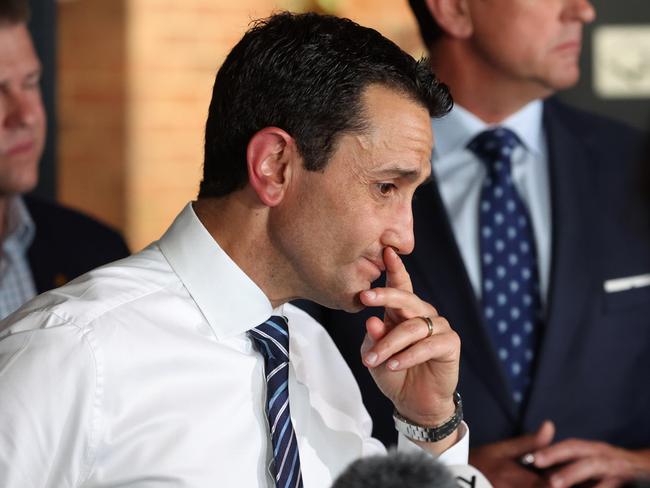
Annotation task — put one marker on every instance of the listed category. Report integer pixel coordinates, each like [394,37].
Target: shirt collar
[20,227]
[454,131]
[228,299]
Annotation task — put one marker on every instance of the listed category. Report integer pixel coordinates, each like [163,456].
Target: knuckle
[455,338]
[442,322]
[380,293]
[601,446]
[384,347]
[452,339]
[406,358]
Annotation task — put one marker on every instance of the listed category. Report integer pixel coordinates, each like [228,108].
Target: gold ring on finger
[429,323]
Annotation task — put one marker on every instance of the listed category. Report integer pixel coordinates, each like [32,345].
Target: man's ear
[268,155]
[453,17]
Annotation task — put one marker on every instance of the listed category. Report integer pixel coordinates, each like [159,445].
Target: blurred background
[127,85]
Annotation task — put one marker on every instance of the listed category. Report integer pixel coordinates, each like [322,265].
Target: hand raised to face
[414,365]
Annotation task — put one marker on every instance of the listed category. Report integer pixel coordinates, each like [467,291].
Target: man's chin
[564,77]
[354,305]
[348,302]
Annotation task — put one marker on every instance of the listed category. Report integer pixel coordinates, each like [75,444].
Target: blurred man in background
[43,245]
[535,245]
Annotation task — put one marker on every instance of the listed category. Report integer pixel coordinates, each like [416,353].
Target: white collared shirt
[140,374]
[460,174]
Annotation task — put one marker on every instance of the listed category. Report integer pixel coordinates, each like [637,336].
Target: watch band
[430,434]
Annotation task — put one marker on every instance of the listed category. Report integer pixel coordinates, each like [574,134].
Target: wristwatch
[418,432]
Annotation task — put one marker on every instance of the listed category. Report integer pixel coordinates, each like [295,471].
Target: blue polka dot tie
[272,340]
[510,283]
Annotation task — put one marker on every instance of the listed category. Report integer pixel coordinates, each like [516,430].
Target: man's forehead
[400,160]
[16,47]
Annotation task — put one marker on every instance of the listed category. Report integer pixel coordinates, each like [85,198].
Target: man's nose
[581,10]
[400,235]
[20,109]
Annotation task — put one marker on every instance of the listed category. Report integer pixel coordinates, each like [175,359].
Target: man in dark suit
[43,245]
[534,245]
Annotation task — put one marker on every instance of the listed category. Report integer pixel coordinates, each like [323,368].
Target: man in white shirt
[154,370]
[582,356]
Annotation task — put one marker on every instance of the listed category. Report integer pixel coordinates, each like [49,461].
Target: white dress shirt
[460,174]
[140,374]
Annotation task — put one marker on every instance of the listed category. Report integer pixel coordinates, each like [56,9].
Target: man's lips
[571,46]
[378,264]
[20,148]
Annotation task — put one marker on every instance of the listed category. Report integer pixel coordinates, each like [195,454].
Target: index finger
[566,451]
[396,274]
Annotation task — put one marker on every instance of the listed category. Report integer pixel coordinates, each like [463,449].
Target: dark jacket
[67,244]
[592,372]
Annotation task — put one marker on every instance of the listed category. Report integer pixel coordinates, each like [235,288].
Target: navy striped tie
[272,340]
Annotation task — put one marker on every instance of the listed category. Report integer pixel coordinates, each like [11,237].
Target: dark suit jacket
[68,244]
[593,368]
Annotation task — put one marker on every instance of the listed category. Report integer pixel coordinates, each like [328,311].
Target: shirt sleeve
[48,396]
[456,454]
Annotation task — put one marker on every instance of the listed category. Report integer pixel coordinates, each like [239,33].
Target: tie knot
[494,147]
[272,338]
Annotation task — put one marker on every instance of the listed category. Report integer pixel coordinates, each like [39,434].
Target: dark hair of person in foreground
[305,74]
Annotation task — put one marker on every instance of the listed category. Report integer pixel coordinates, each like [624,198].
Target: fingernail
[371,358]
[393,364]
[556,482]
[371,294]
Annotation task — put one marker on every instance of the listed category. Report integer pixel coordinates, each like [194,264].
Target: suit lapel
[572,177]
[439,276]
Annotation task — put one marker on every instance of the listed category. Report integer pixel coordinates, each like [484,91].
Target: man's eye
[386,188]
[32,82]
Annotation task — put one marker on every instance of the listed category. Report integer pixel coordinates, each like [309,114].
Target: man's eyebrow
[398,172]
[37,72]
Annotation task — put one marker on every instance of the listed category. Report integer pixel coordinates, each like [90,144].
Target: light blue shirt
[16,281]
[460,174]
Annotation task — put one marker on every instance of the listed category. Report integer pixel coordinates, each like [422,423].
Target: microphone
[396,470]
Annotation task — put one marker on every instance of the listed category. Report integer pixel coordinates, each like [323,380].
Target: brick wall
[92,79]
[135,78]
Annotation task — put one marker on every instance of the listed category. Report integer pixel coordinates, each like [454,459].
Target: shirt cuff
[456,454]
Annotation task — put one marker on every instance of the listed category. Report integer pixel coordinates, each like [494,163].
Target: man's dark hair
[397,469]
[429,28]
[305,74]
[14,12]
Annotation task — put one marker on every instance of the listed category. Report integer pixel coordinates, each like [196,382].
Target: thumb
[544,435]
[375,330]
